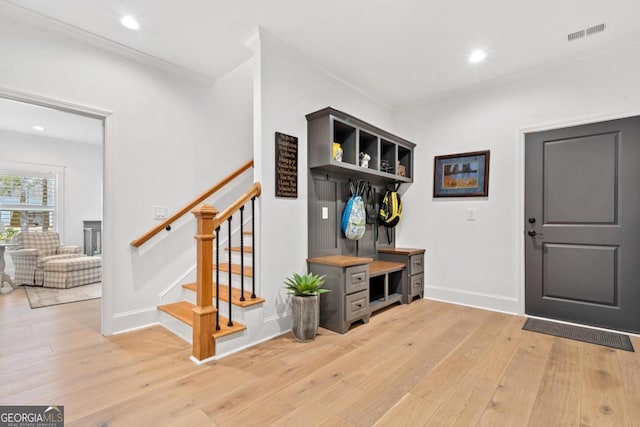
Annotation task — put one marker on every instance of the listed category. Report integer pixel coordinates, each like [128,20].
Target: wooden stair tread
[247,249]
[183,311]
[235,295]
[235,269]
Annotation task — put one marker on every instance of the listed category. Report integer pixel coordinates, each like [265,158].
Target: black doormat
[577,333]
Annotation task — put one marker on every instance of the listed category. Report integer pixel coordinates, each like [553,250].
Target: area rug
[593,336]
[44,297]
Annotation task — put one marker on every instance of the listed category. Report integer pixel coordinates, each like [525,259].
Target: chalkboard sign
[286,166]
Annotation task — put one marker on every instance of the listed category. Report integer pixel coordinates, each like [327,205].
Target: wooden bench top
[340,260]
[401,251]
[378,268]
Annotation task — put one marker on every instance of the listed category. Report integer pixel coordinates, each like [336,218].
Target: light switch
[325,212]
[471,214]
[159,212]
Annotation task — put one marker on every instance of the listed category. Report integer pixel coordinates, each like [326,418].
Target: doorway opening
[51,173]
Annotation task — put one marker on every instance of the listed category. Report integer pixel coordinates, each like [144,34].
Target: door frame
[520,185]
[106,117]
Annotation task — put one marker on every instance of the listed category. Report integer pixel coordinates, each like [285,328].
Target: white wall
[480,262]
[159,138]
[289,87]
[82,199]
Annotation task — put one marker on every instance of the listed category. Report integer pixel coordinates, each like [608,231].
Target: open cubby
[345,135]
[355,136]
[395,283]
[376,290]
[387,156]
[369,145]
[404,157]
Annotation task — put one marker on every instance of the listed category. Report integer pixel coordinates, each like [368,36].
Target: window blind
[28,200]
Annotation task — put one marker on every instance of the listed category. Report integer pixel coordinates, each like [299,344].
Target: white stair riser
[235,257]
[237,313]
[176,326]
[235,280]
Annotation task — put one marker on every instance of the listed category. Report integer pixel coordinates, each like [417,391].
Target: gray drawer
[356,279]
[416,264]
[417,285]
[356,305]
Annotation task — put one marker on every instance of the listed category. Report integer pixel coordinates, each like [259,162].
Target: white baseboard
[474,299]
[134,319]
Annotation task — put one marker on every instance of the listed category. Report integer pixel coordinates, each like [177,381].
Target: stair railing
[166,224]
[209,220]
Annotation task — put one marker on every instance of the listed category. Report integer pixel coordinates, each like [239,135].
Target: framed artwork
[461,175]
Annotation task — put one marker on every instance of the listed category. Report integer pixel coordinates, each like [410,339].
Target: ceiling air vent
[576,35]
[595,29]
[586,32]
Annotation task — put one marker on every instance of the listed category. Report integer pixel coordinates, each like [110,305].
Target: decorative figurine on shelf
[402,171]
[337,152]
[364,160]
[385,166]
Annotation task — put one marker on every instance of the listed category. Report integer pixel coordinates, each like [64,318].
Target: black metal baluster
[230,322]
[242,298]
[253,243]
[217,278]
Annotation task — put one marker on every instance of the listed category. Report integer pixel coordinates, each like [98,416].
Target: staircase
[222,293]
[212,305]
[198,316]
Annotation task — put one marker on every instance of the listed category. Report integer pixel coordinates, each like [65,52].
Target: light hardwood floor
[427,363]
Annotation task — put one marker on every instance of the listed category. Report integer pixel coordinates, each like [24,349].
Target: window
[28,200]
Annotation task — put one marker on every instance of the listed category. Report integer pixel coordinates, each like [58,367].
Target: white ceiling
[400,52]
[22,117]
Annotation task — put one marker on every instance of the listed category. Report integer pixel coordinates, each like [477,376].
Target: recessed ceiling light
[38,128]
[130,22]
[477,56]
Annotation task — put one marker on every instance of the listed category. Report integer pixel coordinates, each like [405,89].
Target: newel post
[204,312]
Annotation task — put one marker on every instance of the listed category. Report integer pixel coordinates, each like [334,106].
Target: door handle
[533,233]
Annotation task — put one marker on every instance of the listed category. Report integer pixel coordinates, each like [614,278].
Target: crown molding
[51,24]
[252,40]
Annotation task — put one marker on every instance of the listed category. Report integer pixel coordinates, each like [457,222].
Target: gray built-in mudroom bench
[360,285]
[371,273]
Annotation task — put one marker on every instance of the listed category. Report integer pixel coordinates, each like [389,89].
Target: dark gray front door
[582,218]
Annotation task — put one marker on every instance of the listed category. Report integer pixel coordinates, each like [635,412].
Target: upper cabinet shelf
[391,157]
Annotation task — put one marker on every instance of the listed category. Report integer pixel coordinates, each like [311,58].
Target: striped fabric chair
[35,249]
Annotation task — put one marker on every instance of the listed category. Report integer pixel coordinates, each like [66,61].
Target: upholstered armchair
[35,249]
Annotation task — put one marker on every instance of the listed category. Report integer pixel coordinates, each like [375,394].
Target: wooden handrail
[167,222]
[254,191]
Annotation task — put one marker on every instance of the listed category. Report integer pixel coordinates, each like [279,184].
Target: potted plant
[305,290]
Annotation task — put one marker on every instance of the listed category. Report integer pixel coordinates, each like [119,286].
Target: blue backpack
[354,217]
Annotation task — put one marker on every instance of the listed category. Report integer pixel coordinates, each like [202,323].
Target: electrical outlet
[159,212]
[471,214]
